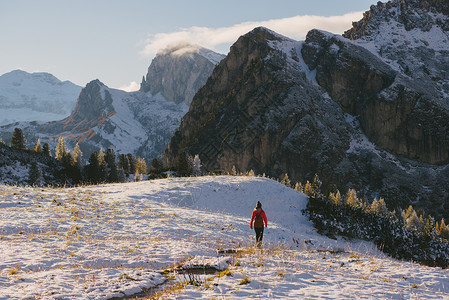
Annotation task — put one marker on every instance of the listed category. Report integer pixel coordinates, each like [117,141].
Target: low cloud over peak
[219,39]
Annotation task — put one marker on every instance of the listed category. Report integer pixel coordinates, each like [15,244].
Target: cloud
[131,87]
[220,39]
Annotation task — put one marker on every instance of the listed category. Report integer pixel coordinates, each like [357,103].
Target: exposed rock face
[92,108]
[411,117]
[258,111]
[278,106]
[179,71]
[400,114]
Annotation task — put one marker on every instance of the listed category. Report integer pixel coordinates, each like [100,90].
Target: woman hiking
[259,218]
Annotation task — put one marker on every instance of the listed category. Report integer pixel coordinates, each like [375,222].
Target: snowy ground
[99,242]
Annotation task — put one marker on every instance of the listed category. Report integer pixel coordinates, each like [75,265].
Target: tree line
[101,167]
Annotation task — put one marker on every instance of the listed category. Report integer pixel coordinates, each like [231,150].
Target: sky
[114,41]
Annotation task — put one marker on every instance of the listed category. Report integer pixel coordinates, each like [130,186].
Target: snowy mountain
[139,122]
[35,97]
[348,110]
[117,240]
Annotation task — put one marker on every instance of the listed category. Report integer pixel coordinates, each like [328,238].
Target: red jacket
[262,214]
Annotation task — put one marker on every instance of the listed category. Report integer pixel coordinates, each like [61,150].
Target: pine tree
[18,139]
[60,149]
[156,165]
[184,167]
[35,176]
[92,169]
[316,185]
[429,227]
[67,160]
[46,149]
[38,147]
[123,163]
[132,163]
[111,164]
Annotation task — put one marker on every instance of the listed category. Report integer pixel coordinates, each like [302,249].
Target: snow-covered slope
[137,122]
[35,97]
[108,241]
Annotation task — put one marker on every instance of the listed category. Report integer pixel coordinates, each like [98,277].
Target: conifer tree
[18,139]
[92,169]
[38,147]
[308,189]
[46,149]
[233,171]
[316,185]
[111,164]
[77,164]
[286,181]
[102,167]
[123,163]
[298,187]
[77,157]
[132,163]
[156,165]
[35,176]
[196,166]
[184,167]
[67,160]
[61,149]
[351,198]
[141,166]
[100,156]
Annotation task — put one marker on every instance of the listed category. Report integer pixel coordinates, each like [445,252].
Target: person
[259,218]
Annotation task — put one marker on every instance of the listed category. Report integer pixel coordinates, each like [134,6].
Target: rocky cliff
[177,72]
[331,106]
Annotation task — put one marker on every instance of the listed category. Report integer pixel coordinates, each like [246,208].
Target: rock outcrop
[329,106]
[177,72]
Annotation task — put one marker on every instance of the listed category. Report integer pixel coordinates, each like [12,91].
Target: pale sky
[114,41]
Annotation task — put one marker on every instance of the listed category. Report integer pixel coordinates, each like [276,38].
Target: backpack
[258,221]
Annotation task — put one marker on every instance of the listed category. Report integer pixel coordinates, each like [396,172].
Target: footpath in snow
[99,242]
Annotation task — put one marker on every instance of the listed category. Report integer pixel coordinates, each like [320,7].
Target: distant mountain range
[35,97]
[139,122]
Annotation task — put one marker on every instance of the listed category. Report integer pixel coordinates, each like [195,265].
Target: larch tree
[61,149]
[38,147]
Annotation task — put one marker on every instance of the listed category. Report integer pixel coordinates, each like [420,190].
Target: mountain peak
[409,14]
[178,71]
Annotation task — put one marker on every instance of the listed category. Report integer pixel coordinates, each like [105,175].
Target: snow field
[99,242]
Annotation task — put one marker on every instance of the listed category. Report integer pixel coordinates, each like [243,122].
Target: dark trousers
[259,235]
